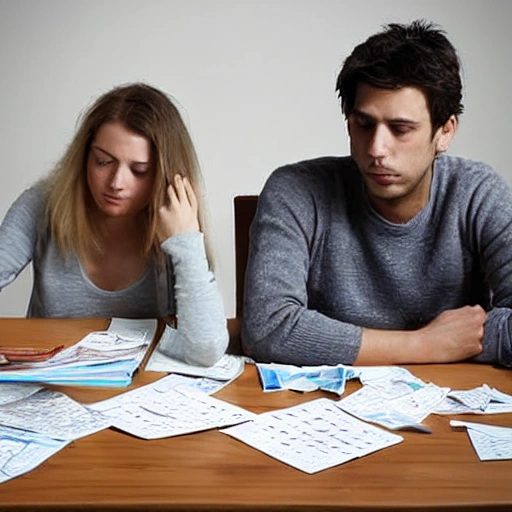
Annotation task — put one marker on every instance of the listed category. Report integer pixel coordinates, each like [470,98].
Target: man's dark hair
[418,55]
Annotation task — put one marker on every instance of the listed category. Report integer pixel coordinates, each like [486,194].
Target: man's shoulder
[466,170]
[471,182]
[324,164]
[313,171]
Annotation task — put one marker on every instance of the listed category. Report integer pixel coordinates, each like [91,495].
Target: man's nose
[379,143]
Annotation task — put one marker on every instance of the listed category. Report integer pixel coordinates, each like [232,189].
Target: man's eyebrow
[394,120]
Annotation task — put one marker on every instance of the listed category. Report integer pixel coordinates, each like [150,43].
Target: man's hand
[454,335]
[179,215]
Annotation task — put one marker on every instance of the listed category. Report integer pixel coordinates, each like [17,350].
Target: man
[398,254]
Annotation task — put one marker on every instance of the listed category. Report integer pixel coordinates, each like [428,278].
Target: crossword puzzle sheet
[312,436]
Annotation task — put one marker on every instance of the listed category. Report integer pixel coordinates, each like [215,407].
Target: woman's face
[120,171]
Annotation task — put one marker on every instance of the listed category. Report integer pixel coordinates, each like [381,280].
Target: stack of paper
[104,358]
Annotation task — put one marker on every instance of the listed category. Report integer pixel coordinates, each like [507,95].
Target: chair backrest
[245,208]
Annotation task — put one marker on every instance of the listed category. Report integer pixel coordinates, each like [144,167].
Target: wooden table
[212,471]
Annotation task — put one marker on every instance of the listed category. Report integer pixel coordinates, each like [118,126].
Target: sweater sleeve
[202,335]
[277,324]
[18,234]
[491,208]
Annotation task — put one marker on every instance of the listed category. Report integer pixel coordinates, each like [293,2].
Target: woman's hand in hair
[179,215]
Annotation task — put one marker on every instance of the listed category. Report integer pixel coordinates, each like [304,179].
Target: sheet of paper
[405,411]
[125,340]
[164,409]
[481,400]
[312,436]
[12,391]
[476,399]
[52,414]
[499,396]
[229,367]
[106,341]
[141,330]
[21,451]
[390,381]
[204,384]
[490,442]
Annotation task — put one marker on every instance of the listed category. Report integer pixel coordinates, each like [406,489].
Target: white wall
[255,80]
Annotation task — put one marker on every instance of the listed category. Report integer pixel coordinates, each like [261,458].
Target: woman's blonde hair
[148,112]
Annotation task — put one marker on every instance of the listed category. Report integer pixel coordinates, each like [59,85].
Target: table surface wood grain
[111,470]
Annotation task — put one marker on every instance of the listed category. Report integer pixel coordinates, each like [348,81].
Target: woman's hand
[179,215]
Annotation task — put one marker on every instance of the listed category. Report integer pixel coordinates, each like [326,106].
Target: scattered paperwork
[36,423]
[312,436]
[104,358]
[490,442]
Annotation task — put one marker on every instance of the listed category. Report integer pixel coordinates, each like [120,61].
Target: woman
[116,227]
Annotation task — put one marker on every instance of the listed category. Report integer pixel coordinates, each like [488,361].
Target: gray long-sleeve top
[185,286]
[323,264]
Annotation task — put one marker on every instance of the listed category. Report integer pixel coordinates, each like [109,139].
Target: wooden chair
[244,210]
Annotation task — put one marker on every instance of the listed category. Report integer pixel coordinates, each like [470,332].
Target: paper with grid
[164,409]
[490,442]
[21,451]
[481,400]
[52,414]
[312,436]
[403,412]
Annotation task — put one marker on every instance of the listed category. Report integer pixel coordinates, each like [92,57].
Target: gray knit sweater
[184,287]
[323,264]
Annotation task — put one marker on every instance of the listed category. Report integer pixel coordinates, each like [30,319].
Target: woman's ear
[446,133]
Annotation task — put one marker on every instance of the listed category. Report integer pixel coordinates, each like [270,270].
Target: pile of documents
[36,423]
[103,358]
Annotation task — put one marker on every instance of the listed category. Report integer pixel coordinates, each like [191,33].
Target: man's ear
[445,134]
[347,125]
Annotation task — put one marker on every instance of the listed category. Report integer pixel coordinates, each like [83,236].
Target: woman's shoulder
[34,197]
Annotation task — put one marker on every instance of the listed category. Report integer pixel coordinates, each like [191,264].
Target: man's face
[391,141]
